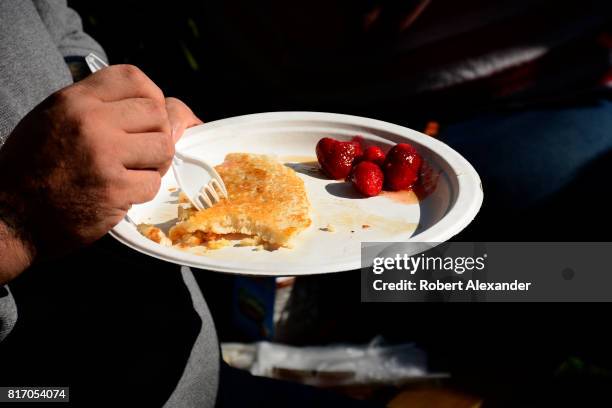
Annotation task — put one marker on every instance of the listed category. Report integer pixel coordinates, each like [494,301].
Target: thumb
[180,117]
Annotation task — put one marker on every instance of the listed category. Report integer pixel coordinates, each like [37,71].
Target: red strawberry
[402,167]
[358,142]
[374,154]
[336,158]
[367,178]
[358,147]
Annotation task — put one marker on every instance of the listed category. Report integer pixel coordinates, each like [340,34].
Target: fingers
[143,185]
[139,115]
[119,82]
[152,151]
[180,117]
[148,125]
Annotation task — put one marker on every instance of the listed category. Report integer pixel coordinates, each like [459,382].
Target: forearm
[15,255]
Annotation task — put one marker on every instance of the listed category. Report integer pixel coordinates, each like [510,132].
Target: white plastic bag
[340,364]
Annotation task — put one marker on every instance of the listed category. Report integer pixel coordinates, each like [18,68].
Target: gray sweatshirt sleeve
[8,312]
[66,29]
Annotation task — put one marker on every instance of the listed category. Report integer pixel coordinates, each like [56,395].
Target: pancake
[267,205]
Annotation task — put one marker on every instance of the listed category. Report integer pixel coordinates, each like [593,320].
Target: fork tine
[207,197]
[214,183]
[204,199]
[212,193]
[205,191]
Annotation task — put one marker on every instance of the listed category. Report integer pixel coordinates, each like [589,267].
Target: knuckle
[83,92]
[62,97]
[162,146]
[174,102]
[68,102]
[141,80]
[157,94]
[166,147]
[80,115]
[131,72]
[155,108]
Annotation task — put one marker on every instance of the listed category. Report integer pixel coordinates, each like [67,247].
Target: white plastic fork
[197,179]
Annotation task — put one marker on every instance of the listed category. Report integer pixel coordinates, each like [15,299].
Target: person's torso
[31,67]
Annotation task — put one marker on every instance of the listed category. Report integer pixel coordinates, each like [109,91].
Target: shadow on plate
[309,168]
[165,226]
[174,194]
[343,190]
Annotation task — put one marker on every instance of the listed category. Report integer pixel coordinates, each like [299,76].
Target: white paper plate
[292,137]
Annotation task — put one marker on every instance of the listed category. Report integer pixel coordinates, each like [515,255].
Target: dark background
[237,57]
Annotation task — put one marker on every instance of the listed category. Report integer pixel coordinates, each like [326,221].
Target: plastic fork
[197,179]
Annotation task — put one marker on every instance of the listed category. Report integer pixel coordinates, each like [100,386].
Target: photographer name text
[438,285]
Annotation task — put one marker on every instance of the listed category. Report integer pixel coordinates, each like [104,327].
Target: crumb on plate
[154,234]
[183,199]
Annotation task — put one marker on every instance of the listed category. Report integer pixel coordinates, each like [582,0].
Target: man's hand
[76,163]
[180,117]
